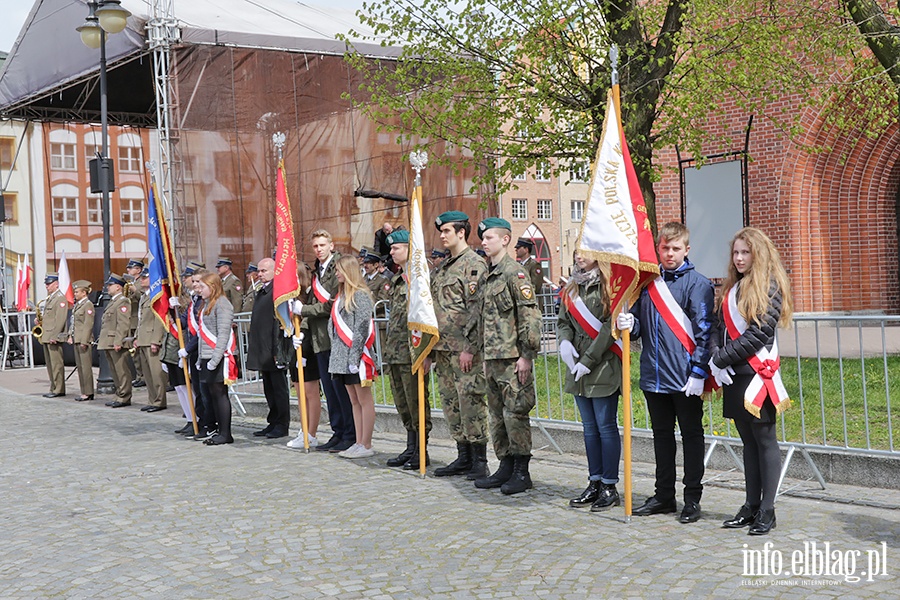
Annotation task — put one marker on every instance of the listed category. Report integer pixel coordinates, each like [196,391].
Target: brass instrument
[37,331]
[129,285]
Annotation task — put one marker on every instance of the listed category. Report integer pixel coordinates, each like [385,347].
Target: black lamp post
[106,16]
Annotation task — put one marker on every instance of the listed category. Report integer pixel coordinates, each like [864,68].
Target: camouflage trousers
[509,403]
[405,388]
[462,397]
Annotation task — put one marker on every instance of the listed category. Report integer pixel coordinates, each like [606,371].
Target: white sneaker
[362,452]
[297,442]
[348,453]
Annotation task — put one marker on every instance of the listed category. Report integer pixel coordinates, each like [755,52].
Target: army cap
[372,258]
[50,278]
[114,279]
[435,253]
[223,262]
[252,268]
[493,223]
[398,237]
[133,263]
[81,284]
[145,273]
[525,243]
[451,216]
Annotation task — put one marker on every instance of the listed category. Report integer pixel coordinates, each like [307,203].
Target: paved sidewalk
[103,503]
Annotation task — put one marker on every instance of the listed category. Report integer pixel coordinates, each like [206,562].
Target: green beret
[493,223]
[398,237]
[451,216]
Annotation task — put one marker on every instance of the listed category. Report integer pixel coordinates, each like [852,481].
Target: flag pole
[170,261]
[418,161]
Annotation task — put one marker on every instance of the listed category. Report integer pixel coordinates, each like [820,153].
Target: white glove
[567,353]
[303,361]
[182,353]
[580,371]
[724,376]
[211,367]
[296,307]
[625,321]
[298,341]
[354,369]
[174,302]
[180,363]
[693,387]
[164,367]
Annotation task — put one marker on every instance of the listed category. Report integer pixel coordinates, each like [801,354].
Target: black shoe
[690,513]
[654,507]
[218,440]
[413,463]
[331,443]
[188,427]
[84,398]
[479,462]
[402,458]
[205,434]
[110,403]
[138,384]
[461,465]
[520,480]
[500,476]
[265,431]
[588,496]
[52,395]
[119,404]
[277,432]
[608,497]
[171,388]
[146,408]
[764,523]
[744,517]
[341,446]
[155,409]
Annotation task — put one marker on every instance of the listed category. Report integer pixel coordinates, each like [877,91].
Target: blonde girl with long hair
[350,328]
[756,300]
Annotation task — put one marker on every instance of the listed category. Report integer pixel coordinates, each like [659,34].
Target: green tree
[515,82]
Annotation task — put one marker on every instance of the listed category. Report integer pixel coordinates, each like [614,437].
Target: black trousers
[664,410]
[275,387]
[340,410]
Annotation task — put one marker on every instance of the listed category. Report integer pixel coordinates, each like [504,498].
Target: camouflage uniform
[380,286]
[511,326]
[455,290]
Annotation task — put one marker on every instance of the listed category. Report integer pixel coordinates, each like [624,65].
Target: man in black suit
[267,352]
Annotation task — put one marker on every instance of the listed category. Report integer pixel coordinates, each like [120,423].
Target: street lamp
[106,16]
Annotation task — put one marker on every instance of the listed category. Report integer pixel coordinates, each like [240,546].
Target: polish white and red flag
[65,280]
[23,282]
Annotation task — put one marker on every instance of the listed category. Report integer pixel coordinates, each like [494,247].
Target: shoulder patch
[62,304]
[538,270]
[237,287]
[472,287]
[90,312]
[387,286]
[124,309]
[527,292]
[521,275]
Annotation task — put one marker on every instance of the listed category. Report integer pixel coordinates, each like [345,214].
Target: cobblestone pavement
[103,503]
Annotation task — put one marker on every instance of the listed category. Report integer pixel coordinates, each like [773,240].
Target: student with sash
[756,299]
[587,347]
[311,374]
[673,317]
[218,368]
[352,361]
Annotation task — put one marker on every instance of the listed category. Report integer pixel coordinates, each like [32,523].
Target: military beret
[451,216]
[252,268]
[115,279]
[81,284]
[139,264]
[223,262]
[398,237]
[525,243]
[492,223]
[50,278]
[372,258]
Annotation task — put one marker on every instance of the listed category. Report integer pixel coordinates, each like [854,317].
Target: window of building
[577,208]
[545,210]
[7,152]
[518,176]
[62,157]
[94,210]
[519,209]
[131,211]
[579,171]
[129,159]
[11,208]
[542,171]
[65,210]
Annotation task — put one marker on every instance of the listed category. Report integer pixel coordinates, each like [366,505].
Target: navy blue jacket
[665,364]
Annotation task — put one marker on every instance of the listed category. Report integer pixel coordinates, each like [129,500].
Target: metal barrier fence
[838,372]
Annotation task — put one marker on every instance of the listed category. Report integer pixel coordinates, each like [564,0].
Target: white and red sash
[319,290]
[766,363]
[588,322]
[193,326]
[230,365]
[367,370]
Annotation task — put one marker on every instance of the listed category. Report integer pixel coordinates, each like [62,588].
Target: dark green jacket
[316,313]
[510,317]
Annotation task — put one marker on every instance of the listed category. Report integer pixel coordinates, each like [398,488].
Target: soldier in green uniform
[378,284]
[458,354]
[132,291]
[54,316]
[511,329]
[114,330]
[396,354]
[231,285]
[151,335]
[253,285]
[81,336]
[524,251]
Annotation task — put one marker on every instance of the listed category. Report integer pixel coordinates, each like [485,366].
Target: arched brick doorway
[541,247]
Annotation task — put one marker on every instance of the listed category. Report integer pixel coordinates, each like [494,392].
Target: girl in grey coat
[217,367]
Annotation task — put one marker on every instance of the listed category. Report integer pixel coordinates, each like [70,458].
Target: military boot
[461,465]
[413,463]
[501,476]
[479,463]
[520,480]
[400,460]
